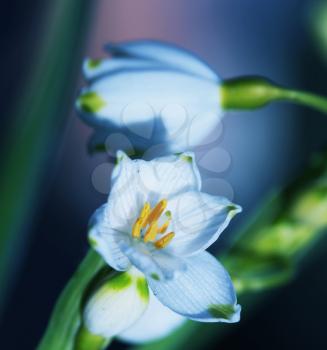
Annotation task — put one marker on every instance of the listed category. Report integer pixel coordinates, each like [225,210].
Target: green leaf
[38,119]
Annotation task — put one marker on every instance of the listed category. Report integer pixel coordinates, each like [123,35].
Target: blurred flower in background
[154,93]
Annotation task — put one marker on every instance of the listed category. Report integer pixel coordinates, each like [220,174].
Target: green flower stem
[255,92]
[267,252]
[37,121]
[65,320]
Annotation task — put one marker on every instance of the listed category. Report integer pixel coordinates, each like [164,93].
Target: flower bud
[116,304]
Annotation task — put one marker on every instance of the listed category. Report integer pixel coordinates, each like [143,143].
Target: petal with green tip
[198,220]
[116,304]
[91,102]
[203,292]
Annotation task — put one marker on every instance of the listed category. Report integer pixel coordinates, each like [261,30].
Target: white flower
[153,93]
[127,290]
[159,223]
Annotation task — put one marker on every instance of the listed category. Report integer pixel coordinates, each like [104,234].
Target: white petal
[198,219]
[165,177]
[169,54]
[116,305]
[106,241]
[157,322]
[156,88]
[135,182]
[204,292]
[93,69]
[127,197]
[107,102]
[153,263]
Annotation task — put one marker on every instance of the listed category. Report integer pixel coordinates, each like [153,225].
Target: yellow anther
[144,214]
[148,220]
[164,227]
[164,241]
[151,232]
[136,230]
[157,211]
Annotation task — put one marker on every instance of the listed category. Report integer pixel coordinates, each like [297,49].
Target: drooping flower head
[154,93]
[157,224]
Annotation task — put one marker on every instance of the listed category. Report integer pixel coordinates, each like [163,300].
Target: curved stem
[255,92]
[304,98]
[65,320]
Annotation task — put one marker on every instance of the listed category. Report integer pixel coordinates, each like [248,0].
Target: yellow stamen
[157,211]
[148,219]
[164,227]
[164,241]
[136,230]
[151,232]
[144,214]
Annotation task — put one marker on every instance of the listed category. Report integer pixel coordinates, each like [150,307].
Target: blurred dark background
[268,148]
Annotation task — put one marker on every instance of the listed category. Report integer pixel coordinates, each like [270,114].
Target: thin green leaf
[38,119]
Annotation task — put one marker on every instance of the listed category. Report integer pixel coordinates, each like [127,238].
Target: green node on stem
[85,340]
[256,92]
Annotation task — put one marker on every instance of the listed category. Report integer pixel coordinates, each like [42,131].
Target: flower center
[147,226]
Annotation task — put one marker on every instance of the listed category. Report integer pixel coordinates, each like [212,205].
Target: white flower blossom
[127,290]
[158,222]
[153,93]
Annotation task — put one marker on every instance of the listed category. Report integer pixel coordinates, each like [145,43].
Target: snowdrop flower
[157,225]
[129,291]
[153,93]
[158,94]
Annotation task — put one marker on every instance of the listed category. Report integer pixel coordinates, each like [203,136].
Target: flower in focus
[157,225]
[153,93]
